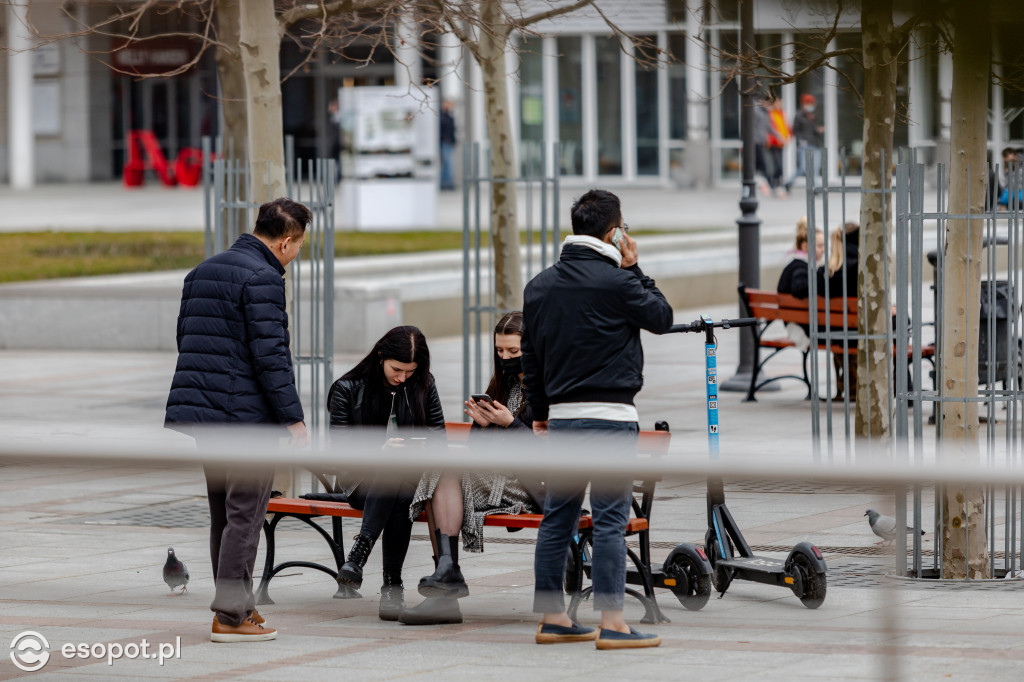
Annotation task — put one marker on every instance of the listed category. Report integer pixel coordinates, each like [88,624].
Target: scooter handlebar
[700,325]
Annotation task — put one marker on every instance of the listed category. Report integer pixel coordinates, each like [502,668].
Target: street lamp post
[748,223]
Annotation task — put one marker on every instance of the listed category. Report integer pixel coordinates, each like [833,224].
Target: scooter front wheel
[721,577]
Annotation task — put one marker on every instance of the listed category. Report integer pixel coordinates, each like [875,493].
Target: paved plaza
[83,546]
[83,550]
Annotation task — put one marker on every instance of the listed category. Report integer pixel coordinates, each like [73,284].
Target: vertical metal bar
[329,265]
[812,297]
[528,188]
[468,181]
[899,444]
[297,302]
[218,202]
[940,237]
[479,296]
[555,199]
[916,265]
[544,207]
[207,167]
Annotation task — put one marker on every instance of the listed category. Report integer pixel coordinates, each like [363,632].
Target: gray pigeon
[884,526]
[175,573]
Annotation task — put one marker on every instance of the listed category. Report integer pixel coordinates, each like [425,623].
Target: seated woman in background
[391,389]
[843,248]
[794,278]
[461,501]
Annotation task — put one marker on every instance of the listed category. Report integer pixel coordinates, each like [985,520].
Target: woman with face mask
[460,501]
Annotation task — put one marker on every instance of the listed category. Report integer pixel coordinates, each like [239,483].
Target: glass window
[677,87]
[729,88]
[531,107]
[722,10]
[570,105]
[849,112]
[647,145]
[609,106]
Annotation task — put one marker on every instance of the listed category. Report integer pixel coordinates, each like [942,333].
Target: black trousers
[385,505]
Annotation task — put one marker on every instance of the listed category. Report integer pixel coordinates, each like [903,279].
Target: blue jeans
[447,175]
[610,501]
[801,165]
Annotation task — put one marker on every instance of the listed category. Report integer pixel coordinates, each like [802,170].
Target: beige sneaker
[248,631]
[255,615]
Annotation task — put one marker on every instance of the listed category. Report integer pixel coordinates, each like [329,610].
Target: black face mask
[511,367]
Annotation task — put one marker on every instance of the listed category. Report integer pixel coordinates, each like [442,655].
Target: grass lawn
[49,255]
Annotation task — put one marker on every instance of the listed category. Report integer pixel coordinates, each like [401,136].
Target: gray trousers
[238,505]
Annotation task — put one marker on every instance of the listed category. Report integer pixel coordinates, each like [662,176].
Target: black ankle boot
[351,573]
[433,611]
[447,580]
[392,596]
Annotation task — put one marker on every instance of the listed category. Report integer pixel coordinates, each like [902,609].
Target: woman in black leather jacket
[390,389]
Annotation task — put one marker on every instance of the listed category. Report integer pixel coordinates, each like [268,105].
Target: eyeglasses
[625,228]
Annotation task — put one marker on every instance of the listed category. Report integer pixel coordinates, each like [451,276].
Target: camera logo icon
[30,651]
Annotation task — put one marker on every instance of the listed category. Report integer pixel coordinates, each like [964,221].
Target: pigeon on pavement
[884,526]
[175,573]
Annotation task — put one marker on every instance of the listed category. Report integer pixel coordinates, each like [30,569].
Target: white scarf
[603,248]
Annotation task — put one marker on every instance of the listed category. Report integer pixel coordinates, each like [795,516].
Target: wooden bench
[771,306]
[651,443]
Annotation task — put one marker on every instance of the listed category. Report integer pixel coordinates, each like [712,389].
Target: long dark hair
[510,323]
[404,344]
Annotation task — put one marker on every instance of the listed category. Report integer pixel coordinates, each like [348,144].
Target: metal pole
[748,223]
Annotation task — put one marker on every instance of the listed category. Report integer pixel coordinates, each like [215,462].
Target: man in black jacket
[583,365]
[235,369]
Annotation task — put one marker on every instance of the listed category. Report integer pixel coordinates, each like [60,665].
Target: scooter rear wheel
[693,588]
[811,586]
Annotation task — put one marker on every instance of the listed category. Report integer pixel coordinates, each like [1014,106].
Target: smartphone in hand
[482,398]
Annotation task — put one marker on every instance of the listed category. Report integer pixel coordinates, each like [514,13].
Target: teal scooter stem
[731,558]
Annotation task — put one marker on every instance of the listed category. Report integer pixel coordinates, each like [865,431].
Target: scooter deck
[758,569]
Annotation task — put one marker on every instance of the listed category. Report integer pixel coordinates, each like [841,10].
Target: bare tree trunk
[508,283]
[964,542]
[232,81]
[260,44]
[874,357]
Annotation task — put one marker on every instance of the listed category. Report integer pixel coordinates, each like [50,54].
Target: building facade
[66,116]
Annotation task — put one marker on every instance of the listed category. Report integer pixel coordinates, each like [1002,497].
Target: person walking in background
[235,368]
[447,138]
[762,127]
[808,134]
[582,368]
[334,137]
[778,136]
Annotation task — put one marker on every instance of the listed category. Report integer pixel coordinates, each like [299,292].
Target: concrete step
[372,294]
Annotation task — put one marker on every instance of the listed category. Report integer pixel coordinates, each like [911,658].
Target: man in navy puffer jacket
[235,368]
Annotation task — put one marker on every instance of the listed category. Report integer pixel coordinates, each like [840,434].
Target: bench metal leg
[652,612]
[807,378]
[574,576]
[262,598]
[270,570]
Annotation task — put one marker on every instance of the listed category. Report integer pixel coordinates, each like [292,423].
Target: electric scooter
[731,558]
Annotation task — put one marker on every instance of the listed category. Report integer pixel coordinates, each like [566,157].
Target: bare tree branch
[553,12]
